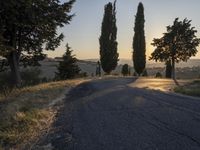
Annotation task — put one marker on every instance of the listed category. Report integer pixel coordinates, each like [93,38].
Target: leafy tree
[125,70]
[27,27]
[67,68]
[139,45]
[107,40]
[179,43]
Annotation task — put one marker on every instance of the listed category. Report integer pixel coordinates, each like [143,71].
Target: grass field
[192,89]
[27,113]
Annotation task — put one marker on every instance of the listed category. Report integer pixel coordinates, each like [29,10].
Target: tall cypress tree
[139,45]
[107,40]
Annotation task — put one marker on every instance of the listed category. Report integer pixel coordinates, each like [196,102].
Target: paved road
[110,114]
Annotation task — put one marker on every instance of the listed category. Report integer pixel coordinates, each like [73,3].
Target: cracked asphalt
[110,114]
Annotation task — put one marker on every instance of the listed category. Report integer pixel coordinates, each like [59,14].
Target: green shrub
[31,76]
[145,74]
[134,74]
[5,83]
[158,75]
[125,70]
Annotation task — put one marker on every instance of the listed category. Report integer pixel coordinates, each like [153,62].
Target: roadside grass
[192,89]
[28,112]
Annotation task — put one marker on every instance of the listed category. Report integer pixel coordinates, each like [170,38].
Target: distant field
[188,70]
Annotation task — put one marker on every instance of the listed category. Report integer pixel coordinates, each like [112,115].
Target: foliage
[179,43]
[67,68]
[31,76]
[107,40]
[3,65]
[27,27]
[145,74]
[139,45]
[5,83]
[134,74]
[125,70]
[158,75]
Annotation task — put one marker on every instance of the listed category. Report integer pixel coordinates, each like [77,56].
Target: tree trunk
[173,69]
[13,60]
[168,73]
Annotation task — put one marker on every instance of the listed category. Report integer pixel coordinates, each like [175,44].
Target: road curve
[109,114]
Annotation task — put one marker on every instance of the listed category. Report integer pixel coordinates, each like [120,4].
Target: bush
[82,75]
[125,70]
[5,83]
[145,74]
[31,76]
[134,74]
[158,75]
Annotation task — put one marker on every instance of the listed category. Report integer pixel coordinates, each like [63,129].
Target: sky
[84,31]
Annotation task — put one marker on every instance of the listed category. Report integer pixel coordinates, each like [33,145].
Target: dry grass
[192,89]
[26,111]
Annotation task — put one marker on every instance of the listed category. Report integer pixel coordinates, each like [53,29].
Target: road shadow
[60,134]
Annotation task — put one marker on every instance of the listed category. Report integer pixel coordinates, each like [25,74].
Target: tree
[168,73]
[67,68]
[107,40]
[27,27]
[125,70]
[139,45]
[179,43]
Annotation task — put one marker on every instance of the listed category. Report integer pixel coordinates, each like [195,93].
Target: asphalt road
[110,114]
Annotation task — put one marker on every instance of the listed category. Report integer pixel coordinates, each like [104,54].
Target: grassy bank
[27,113]
[192,89]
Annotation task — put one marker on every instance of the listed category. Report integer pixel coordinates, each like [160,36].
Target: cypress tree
[107,40]
[139,45]
[68,67]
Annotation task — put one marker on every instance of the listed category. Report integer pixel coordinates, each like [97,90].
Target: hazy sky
[84,31]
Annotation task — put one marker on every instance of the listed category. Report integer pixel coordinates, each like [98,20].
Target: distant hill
[151,64]
[49,65]
[190,69]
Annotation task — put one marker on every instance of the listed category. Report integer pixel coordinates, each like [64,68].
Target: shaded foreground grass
[192,89]
[29,112]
